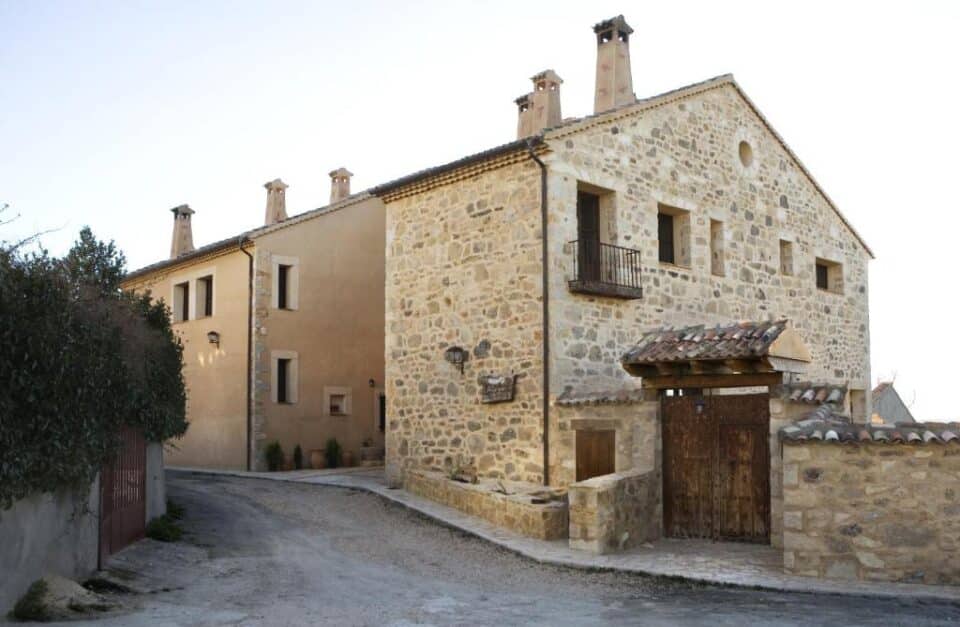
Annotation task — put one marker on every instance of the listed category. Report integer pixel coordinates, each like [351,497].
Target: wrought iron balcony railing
[605,269]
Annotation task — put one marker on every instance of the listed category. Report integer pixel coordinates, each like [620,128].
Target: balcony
[605,270]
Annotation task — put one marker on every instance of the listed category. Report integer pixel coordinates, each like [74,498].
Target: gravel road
[269,553]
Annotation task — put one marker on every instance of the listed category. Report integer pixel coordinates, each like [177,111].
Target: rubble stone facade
[882,512]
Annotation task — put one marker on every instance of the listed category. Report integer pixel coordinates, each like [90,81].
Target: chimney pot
[339,185]
[614,86]
[182,242]
[540,109]
[276,202]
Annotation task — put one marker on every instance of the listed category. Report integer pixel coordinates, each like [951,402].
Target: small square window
[337,401]
[338,404]
[829,276]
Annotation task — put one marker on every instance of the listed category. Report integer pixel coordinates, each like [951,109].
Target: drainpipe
[546,308]
[243,238]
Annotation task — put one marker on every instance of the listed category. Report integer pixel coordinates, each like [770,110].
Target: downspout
[240,242]
[546,308]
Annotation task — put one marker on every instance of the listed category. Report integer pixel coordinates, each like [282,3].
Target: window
[286,279]
[673,235]
[716,248]
[786,257]
[284,377]
[588,236]
[181,301]
[338,401]
[829,276]
[746,154]
[283,380]
[205,296]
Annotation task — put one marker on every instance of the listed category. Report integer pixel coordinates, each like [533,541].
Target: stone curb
[529,548]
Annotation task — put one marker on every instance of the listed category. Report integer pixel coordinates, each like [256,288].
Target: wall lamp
[214,338]
[456,356]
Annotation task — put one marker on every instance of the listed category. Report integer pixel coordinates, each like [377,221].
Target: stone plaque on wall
[497,388]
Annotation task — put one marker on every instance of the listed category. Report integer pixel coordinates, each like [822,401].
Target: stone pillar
[276,202]
[778,418]
[182,241]
[614,79]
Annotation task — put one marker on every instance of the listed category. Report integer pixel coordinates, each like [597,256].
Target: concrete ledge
[655,562]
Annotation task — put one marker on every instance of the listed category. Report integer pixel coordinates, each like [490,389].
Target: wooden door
[588,237]
[596,451]
[123,495]
[716,467]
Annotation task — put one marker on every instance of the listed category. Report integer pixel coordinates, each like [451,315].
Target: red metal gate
[123,495]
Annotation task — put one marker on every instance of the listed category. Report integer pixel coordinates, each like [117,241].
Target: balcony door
[588,236]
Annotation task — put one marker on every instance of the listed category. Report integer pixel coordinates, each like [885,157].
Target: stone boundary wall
[516,512]
[615,512]
[55,533]
[875,512]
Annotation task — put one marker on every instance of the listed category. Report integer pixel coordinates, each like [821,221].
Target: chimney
[539,109]
[182,232]
[276,202]
[614,81]
[339,184]
[523,116]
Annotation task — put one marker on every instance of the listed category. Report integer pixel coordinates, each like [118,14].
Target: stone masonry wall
[685,154]
[464,269]
[615,512]
[872,511]
[516,512]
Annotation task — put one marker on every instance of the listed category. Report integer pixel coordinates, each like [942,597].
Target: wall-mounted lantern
[699,405]
[372,383]
[457,356]
[214,338]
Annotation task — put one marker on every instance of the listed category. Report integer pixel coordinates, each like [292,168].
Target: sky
[113,113]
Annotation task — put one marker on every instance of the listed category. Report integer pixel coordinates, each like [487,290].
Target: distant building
[888,407]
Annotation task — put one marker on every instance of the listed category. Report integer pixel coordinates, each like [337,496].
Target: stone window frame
[834,275]
[753,142]
[293,282]
[194,303]
[787,256]
[293,376]
[330,391]
[718,248]
[682,235]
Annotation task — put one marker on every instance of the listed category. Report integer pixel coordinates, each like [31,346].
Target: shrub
[79,359]
[274,455]
[164,529]
[174,511]
[298,457]
[333,453]
[31,605]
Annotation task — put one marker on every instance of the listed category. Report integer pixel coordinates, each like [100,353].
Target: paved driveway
[263,552]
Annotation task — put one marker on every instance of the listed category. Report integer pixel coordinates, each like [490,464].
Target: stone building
[518,278]
[282,328]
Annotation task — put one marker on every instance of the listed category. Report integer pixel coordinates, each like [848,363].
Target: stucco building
[519,278]
[282,328]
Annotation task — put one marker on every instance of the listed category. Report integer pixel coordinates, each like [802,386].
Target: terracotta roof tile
[825,425]
[570,398]
[807,392]
[700,343]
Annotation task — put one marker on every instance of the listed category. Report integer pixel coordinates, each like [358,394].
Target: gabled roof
[236,241]
[574,125]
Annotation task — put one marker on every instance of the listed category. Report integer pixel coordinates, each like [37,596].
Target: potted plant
[333,453]
[318,459]
[297,458]
[274,456]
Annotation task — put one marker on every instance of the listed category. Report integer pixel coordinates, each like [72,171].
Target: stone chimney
[539,109]
[182,232]
[614,80]
[339,184]
[276,202]
[524,114]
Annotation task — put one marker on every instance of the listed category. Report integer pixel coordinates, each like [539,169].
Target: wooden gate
[716,467]
[123,495]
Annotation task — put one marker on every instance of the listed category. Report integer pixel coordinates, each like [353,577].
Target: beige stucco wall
[883,512]
[685,154]
[463,266]
[215,376]
[336,331]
